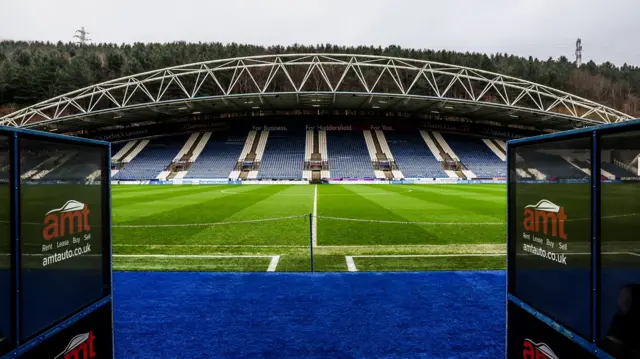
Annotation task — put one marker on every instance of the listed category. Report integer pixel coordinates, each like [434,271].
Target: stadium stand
[413,156]
[79,166]
[262,144]
[476,156]
[120,149]
[30,163]
[583,165]
[151,159]
[187,146]
[371,148]
[53,163]
[431,145]
[444,145]
[544,166]
[248,143]
[616,170]
[283,156]
[117,147]
[135,151]
[199,147]
[348,155]
[384,145]
[322,140]
[308,146]
[218,157]
[496,150]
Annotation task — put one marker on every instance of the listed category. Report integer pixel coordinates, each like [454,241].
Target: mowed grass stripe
[120,195]
[401,205]
[424,206]
[491,197]
[207,206]
[211,208]
[143,209]
[161,205]
[359,206]
[290,201]
[150,196]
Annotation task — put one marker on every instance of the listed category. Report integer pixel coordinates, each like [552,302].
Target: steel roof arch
[334,74]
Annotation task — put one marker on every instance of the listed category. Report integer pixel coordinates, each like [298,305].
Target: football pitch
[267,227]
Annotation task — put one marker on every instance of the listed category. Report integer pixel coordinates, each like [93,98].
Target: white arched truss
[304,74]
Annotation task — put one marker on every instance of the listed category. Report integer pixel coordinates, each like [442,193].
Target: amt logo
[539,217]
[79,347]
[532,350]
[71,218]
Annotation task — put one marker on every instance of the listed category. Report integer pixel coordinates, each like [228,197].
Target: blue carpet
[290,315]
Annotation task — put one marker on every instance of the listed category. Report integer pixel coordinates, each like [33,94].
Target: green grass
[353,220]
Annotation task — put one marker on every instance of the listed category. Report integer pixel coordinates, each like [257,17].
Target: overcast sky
[541,28]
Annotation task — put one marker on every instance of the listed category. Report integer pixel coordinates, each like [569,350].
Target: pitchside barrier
[256,182]
[573,244]
[55,247]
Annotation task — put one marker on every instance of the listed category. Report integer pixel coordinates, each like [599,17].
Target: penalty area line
[351,266]
[273,264]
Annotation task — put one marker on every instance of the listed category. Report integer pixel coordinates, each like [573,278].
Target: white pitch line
[314,219]
[351,266]
[273,264]
[428,255]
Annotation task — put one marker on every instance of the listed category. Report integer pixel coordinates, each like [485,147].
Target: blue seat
[348,155]
[78,167]
[154,158]
[616,171]
[550,165]
[218,157]
[283,157]
[412,155]
[476,156]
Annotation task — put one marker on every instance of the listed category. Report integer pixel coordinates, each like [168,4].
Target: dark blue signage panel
[61,209]
[530,338]
[6,277]
[88,338]
[619,278]
[550,230]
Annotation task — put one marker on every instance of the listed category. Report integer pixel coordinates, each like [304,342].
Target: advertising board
[88,338]
[7,294]
[619,277]
[531,338]
[62,232]
[550,236]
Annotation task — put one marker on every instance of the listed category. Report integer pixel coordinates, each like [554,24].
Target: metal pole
[311,219]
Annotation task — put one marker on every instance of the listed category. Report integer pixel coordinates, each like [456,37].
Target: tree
[34,71]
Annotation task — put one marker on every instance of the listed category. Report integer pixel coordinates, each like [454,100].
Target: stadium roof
[259,85]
